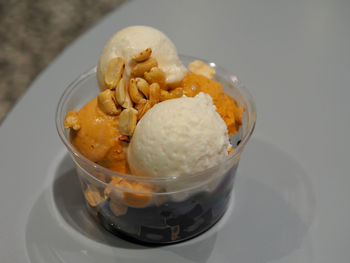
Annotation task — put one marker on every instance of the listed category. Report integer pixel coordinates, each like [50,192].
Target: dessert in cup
[156,144]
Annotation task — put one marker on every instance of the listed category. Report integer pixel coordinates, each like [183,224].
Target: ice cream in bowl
[156,137]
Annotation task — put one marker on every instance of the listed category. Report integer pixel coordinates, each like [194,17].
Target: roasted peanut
[122,95]
[177,92]
[114,72]
[127,121]
[111,193]
[141,103]
[140,68]
[72,120]
[120,198]
[173,94]
[165,95]
[143,55]
[173,85]
[118,208]
[156,75]
[142,86]
[200,68]
[128,102]
[120,92]
[154,93]
[107,102]
[93,196]
[134,93]
[144,109]
[138,199]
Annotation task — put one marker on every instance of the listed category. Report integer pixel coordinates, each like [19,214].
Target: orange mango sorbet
[225,105]
[98,138]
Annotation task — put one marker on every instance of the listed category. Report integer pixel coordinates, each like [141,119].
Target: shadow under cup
[157,210]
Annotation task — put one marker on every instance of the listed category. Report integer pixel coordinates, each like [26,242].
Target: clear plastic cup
[156,210]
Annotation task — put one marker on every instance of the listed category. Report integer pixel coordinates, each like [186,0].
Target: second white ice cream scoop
[178,137]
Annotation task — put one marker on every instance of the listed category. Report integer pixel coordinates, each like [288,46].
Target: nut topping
[128,102]
[156,75]
[200,68]
[122,95]
[72,120]
[141,103]
[120,92]
[173,94]
[143,109]
[177,93]
[154,93]
[118,208]
[140,68]
[114,72]
[92,196]
[134,93]
[127,121]
[142,86]
[143,55]
[107,102]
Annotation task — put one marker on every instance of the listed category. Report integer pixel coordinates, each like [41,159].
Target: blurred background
[34,32]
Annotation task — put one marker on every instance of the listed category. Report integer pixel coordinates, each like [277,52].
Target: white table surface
[292,202]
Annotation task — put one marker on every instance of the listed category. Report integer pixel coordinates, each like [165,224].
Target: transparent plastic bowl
[158,210]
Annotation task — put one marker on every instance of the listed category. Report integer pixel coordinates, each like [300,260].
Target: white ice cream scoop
[134,39]
[178,137]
